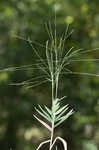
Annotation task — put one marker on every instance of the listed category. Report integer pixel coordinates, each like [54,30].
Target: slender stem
[52,132]
[57,80]
[54,85]
[52,89]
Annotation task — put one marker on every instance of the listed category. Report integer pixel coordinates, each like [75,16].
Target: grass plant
[53,67]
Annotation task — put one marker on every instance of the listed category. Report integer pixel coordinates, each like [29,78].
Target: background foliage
[26,18]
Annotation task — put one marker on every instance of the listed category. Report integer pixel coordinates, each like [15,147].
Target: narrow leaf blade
[49,111]
[43,115]
[61,109]
[46,114]
[64,117]
[43,123]
[58,117]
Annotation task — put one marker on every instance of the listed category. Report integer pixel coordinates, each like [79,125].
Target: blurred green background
[26,18]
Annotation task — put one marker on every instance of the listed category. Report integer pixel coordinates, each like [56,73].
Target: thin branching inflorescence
[53,67]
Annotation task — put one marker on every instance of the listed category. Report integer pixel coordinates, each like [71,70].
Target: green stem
[57,80]
[52,132]
[52,89]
